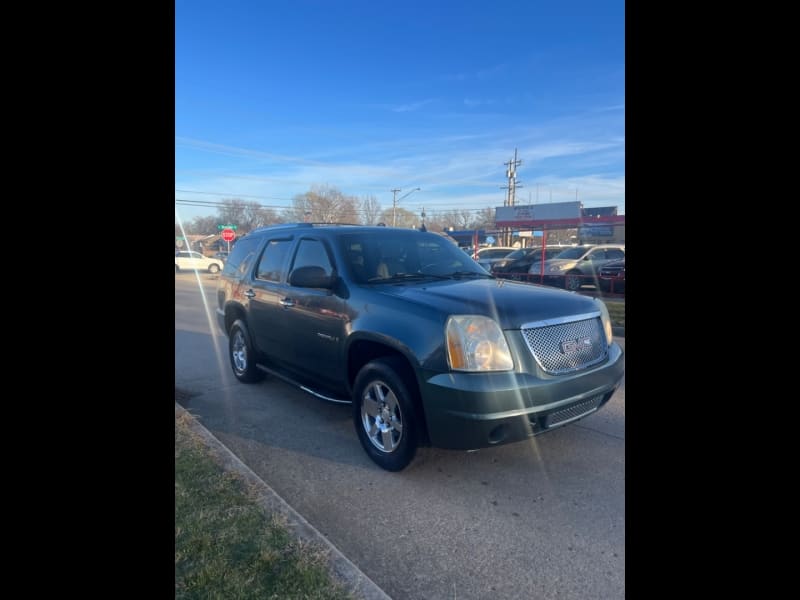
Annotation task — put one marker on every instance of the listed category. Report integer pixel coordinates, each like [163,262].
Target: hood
[510,303]
[550,263]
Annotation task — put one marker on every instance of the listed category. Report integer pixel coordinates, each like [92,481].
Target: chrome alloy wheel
[239,351]
[381,417]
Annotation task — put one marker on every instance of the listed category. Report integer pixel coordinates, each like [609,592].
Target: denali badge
[570,346]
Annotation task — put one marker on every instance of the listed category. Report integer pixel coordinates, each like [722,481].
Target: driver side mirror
[310,277]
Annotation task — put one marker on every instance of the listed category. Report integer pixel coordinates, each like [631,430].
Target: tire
[176,268]
[213,269]
[242,354]
[573,281]
[384,415]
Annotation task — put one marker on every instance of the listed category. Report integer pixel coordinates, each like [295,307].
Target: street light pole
[395,200]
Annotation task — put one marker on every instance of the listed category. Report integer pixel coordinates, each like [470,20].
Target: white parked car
[487,256]
[187,261]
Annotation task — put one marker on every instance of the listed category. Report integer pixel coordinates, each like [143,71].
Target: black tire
[390,443]
[242,354]
[213,269]
[176,268]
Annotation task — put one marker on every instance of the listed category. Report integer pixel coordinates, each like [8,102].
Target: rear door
[266,290]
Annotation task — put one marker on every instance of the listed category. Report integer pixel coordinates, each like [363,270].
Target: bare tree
[405,218]
[483,219]
[245,215]
[370,210]
[323,204]
[232,212]
[201,225]
[257,216]
[457,219]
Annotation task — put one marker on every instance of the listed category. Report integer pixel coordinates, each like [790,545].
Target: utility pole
[511,173]
[394,208]
[395,200]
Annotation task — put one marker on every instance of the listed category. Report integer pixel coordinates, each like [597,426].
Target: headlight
[476,343]
[557,268]
[606,319]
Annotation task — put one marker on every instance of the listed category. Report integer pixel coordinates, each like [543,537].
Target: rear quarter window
[241,257]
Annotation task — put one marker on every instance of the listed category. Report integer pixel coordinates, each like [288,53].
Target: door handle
[250,294]
[287,302]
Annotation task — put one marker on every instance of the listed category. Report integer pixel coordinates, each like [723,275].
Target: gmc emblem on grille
[570,346]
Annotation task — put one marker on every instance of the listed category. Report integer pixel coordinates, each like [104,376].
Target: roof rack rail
[300,225]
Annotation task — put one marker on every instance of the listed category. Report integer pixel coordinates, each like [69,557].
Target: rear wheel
[384,415]
[242,355]
[213,269]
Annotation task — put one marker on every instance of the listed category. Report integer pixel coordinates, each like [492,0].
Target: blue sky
[274,97]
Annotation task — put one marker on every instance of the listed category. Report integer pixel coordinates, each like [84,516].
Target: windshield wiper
[460,274]
[406,277]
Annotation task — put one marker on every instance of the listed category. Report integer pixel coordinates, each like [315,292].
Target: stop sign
[228,235]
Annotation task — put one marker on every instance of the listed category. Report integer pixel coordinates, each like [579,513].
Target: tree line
[327,204]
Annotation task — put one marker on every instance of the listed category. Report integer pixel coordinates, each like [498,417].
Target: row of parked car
[602,266]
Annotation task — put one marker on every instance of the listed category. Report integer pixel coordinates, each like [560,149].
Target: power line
[231,194]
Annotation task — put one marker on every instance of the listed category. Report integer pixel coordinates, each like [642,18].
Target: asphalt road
[543,518]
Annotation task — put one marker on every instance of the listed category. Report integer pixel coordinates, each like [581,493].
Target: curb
[342,569]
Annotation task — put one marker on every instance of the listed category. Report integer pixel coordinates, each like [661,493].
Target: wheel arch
[234,311]
[366,348]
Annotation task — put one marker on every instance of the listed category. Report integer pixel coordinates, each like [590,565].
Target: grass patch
[616,310]
[226,547]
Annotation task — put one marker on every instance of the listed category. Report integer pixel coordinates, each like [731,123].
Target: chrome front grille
[573,412]
[568,344]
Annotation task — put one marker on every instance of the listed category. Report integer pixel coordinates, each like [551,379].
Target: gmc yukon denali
[426,345]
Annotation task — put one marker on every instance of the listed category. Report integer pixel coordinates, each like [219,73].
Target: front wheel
[572,282]
[213,269]
[242,355]
[384,415]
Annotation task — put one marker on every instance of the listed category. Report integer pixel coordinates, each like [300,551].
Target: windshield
[393,255]
[517,253]
[574,252]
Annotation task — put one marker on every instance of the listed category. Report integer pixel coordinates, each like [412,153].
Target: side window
[270,267]
[311,253]
[241,257]
[614,253]
[354,255]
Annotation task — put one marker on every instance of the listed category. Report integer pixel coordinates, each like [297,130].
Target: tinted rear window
[241,257]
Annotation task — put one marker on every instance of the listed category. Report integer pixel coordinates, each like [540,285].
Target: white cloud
[461,169]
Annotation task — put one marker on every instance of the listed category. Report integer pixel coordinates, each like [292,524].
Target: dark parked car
[426,345]
[518,262]
[612,277]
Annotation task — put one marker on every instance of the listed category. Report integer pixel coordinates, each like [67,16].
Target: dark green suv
[428,347]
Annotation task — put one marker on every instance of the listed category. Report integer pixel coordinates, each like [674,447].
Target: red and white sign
[228,235]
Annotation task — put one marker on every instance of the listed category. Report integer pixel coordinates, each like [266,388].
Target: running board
[291,381]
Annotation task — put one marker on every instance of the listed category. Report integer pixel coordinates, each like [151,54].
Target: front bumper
[470,410]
